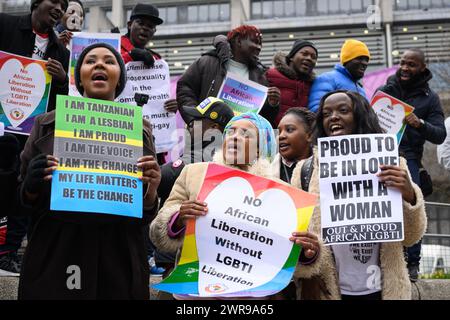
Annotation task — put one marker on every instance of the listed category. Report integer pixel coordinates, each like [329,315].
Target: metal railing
[435,254]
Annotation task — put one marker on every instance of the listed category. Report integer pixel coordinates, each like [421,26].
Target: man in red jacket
[293,75]
[141,28]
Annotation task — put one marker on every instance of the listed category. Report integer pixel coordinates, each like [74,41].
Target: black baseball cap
[211,108]
[146,10]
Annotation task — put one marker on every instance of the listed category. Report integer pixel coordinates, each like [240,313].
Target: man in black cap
[32,36]
[205,125]
[141,29]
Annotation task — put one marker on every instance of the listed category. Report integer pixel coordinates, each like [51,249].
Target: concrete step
[9,285]
[430,289]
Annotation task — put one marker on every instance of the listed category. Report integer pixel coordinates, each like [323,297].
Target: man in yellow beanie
[346,75]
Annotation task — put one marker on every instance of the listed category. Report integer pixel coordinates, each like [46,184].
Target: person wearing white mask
[72,21]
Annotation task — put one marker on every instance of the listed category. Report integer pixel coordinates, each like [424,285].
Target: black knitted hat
[123,70]
[298,44]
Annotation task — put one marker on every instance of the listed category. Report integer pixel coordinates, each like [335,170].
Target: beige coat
[187,187]
[394,274]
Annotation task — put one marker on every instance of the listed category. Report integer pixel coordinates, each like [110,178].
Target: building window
[182,12]
[256,10]
[266,9]
[203,13]
[289,8]
[163,14]
[195,13]
[171,15]
[224,12]
[420,4]
[214,12]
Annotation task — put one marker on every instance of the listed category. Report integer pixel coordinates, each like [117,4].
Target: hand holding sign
[171,105]
[40,169]
[413,121]
[308,241]
[56,70]
[394,176]
[273,96]
[191,209]
[151,174]
[65,37]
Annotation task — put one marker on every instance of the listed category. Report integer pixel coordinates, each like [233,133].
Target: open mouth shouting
[405,76]
[284,147]
[99,78]
[144,36]
[336,130]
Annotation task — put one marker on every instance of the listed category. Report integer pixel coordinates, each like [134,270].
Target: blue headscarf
[267,143]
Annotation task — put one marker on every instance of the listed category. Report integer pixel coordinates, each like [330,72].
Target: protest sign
[97,143]
[355,206]
[24,91]
[242,95]
[154,82]
[241,247]
[391,113]
[81,40]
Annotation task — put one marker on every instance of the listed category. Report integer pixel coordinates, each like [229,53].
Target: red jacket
[126,46]
[294,92]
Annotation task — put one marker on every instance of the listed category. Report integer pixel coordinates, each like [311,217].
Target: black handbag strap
[306,173]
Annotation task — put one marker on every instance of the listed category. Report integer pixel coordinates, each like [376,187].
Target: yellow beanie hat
[352,49]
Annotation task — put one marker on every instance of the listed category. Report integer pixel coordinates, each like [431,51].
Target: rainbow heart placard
[391,113]
[241,248]
[24,91]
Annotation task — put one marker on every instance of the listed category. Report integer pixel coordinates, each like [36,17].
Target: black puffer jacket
[427,106]
[205,76]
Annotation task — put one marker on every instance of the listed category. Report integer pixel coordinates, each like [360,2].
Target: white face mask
[74,17]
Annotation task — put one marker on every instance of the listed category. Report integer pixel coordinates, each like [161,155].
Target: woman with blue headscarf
[249,145]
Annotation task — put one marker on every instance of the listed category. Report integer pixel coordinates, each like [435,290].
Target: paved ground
[422,290]
[8,288]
